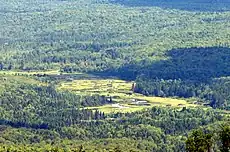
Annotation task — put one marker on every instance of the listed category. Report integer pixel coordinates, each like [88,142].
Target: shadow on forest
[188,5]
[19,124]
[197,64]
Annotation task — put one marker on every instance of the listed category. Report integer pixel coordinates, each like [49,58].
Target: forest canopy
[166,49]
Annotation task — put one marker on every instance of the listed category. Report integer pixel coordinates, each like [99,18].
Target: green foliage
[125,145]
[224,135]
[182,52]
[214,92]
[110,39]
[27,105]
[123,41]
[200,141]
[105,37]
[41,113]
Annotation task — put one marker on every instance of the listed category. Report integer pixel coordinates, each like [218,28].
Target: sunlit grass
[121,92]
[11,80]
[111,109]
[97,86]
[49,72]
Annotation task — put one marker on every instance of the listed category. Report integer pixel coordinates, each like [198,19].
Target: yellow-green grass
[119,90]
[48,72]
[121,93]
[76,75]
[163,101]
[19,79]
[111,109]
[6,80]
[97,86]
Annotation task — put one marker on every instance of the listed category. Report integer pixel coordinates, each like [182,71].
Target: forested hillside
[31,114]
[116,39]
[158,48]
[68,35]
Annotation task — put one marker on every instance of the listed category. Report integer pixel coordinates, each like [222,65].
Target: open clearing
[84,84]
[121,92]
[50,72]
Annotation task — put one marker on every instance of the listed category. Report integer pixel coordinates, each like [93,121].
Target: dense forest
[40,117]
[177,49]
[114,38]
[206,140]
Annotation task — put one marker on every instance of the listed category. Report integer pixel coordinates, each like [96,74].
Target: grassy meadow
[49,72]
[85,84]
[121,92]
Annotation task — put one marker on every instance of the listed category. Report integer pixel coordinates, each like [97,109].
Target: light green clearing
[50,72]
[121,92]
